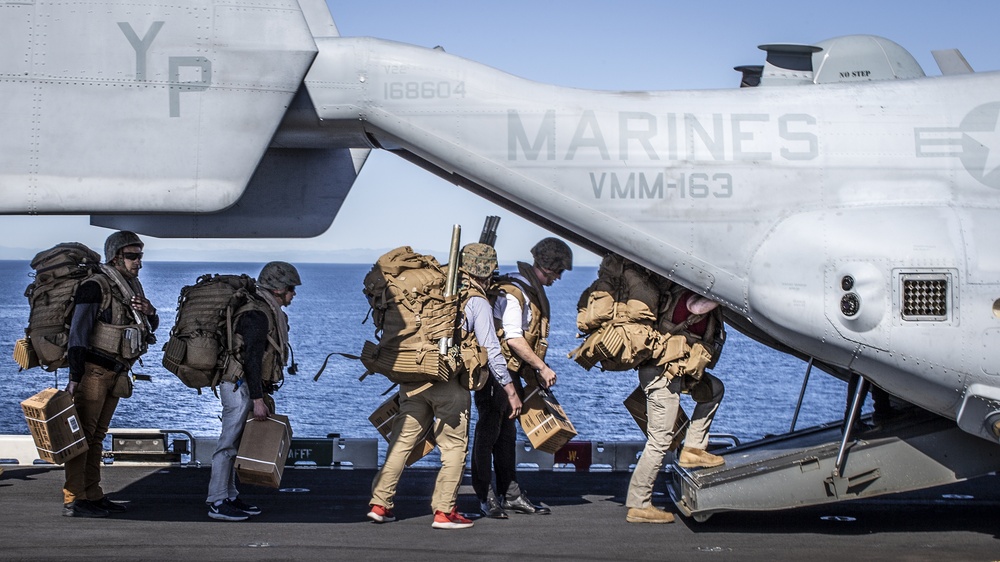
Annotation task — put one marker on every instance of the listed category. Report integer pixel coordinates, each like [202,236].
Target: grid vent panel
[925,297]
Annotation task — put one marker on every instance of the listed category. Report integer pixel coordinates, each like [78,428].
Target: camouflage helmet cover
[277,275]
[553,254]
[119,240]
[478,260]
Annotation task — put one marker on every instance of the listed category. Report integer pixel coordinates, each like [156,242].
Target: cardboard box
[54,425]
[544,421]
[263,451]
[24,354]
[636,405]
[385,415]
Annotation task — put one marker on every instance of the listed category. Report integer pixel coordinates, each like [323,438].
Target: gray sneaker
[226,511]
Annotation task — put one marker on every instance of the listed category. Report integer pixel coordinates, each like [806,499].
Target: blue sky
[624,45]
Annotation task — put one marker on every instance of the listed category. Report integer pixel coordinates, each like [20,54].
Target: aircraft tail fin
[296,189]
[319,19]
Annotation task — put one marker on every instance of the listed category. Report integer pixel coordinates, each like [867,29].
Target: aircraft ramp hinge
[809,464]
[846,487]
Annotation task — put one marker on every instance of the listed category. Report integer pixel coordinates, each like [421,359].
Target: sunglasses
[132,256]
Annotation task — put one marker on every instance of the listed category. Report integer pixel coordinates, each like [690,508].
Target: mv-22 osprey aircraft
[844,208]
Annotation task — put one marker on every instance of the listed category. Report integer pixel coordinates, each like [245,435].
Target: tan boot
[648,514]
[699,458]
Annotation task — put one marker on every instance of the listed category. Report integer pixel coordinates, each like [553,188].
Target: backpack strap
[690,321]
[105,284]
[534,287]
[127,291]
[505,283]
[327,359]
[254,303]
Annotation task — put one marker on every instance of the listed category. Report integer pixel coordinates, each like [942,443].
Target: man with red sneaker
[442,406]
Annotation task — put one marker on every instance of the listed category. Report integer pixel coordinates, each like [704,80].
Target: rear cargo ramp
[918,450]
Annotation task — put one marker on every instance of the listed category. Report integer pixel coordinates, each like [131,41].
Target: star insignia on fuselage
[981,143]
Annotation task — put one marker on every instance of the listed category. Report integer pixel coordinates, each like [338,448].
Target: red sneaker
[453,520]
[381,514]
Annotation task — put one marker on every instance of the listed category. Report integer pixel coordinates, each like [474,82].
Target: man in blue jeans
[261,342]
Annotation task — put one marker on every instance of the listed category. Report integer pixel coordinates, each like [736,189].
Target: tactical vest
[474,372]
[124,338]
[700,327]
[692,342]
[272,372]
[532,295]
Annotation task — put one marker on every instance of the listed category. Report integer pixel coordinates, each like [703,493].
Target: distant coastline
[359,256]
[352,256]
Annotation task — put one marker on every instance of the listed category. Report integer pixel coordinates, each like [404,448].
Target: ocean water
[327,315]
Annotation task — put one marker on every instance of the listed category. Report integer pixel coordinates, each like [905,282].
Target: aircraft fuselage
[818,211]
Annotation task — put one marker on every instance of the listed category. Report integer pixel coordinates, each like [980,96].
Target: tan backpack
[616,316]
[411,315]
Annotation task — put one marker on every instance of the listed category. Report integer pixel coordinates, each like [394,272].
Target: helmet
[277,275]
[553,254]
[478,260]
[119,240]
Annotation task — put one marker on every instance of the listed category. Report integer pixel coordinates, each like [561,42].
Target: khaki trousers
[662,404]
[94,407]
[445,407]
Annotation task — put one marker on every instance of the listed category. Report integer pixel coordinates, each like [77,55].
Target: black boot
[110,506]
[521,504]
[491,507]
[83,508]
